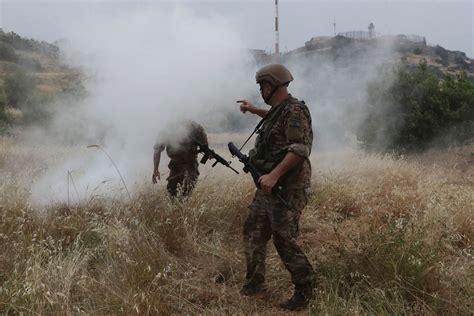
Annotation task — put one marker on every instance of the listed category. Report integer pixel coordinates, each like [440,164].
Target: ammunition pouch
[261,162]
[264,166]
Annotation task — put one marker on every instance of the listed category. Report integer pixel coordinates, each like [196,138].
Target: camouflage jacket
[182,148]
[287,127]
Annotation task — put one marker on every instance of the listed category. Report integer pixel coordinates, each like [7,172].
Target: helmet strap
[267,99]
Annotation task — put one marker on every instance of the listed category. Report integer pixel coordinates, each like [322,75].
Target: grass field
[386,235]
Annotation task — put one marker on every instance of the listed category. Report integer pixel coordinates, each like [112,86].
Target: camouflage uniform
[183,163]
[287,128]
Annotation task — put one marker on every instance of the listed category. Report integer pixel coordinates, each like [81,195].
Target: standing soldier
[281,153]
[182,149]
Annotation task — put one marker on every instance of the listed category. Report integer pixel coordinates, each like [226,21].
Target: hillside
[39,59]
[32,76]
[407,49]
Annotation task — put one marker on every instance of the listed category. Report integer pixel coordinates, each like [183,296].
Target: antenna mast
[277,37]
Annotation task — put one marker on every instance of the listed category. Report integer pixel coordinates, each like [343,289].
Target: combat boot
[298,301]
[253,289]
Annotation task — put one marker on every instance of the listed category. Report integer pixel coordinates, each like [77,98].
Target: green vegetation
[31,79]
[24,44]
[30,64]
[21,94]
[417,109]
[3,115]
[7,53]
[19,88]
[417,51]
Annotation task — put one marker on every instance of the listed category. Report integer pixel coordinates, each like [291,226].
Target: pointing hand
[246,106]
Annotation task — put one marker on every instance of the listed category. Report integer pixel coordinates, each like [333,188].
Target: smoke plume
[148,69]
[144,71]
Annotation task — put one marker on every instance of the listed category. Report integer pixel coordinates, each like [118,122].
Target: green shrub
[7,53]
[3,116]
[21,93]
[19,88]
[37,110]
[30,64]
[16,41]
[418,108]
[3,102]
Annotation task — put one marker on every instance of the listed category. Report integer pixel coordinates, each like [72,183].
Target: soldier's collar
[282,103]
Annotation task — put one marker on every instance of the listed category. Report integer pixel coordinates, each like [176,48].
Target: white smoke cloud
[146,69]
[334,85]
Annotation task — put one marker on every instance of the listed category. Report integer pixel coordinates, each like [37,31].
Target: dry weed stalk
[115,166]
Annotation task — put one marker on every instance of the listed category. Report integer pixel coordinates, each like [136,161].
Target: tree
[7,53]
[416,109]
[19,88]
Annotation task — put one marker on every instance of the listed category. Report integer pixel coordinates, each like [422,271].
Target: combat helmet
[275,74]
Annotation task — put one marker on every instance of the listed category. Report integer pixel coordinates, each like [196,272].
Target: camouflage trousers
[182,180]
[268,216]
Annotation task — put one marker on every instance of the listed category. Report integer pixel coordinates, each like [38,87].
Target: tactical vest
[260,155]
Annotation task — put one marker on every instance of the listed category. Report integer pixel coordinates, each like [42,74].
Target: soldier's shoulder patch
[295,126]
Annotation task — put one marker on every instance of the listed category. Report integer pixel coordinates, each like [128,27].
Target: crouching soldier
[182,149]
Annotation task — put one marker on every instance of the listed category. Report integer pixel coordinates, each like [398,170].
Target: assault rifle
[256,174]
[209,154]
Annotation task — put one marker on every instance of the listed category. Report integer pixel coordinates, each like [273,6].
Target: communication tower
[277,36]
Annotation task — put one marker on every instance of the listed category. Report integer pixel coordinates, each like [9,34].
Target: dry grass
[386,236]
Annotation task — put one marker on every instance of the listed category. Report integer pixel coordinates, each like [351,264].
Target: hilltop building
[360,35]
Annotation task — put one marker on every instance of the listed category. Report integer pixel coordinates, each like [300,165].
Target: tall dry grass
[386,236]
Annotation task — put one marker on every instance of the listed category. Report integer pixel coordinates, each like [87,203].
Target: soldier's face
[265,89]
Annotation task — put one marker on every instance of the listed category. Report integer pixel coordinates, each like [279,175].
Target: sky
[447,23]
